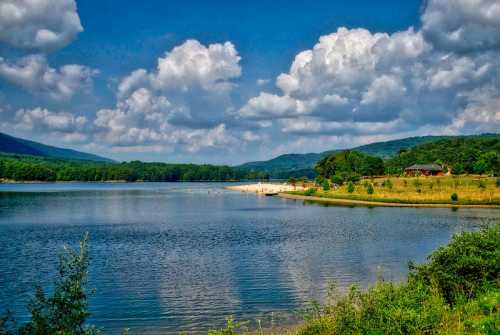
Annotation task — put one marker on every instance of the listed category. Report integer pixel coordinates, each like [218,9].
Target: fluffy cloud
[180,103]
[42,24]
[190,66]
[462,25]
[35,74]
[43,118]
[357,82]
[62,126]
[345,77]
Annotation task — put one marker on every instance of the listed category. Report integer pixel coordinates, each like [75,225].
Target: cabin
[424,169]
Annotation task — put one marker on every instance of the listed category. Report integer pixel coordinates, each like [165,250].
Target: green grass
[470,190]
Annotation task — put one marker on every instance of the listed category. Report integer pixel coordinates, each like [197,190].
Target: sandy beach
[266,188]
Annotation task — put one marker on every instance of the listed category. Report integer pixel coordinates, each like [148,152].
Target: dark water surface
[170,257]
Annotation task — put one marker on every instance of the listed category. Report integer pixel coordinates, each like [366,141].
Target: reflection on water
[170,257]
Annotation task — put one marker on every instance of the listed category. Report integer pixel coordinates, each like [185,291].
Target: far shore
[11,181]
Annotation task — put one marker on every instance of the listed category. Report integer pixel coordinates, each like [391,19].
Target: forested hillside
[30,168]
[297,165]
[461,155]
[14,145]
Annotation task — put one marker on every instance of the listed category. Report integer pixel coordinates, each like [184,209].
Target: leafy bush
[66,310]
[456,292]
[310,191]
[337,179]
[319,180]
[454,197]
[231,328]
[497,182]
[465,267]
[325,185]
[350,187]
[369,188]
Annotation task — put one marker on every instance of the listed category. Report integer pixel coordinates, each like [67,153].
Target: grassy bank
[469,190]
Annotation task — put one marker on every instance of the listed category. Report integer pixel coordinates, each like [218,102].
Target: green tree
[66,310]
[347,163]
[370,189]
[337,179]
[319,180]
[350,187]
[325,185]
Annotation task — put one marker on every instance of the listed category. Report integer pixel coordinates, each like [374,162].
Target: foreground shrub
[66,310]
[456,292]
[454,197]
[469,265]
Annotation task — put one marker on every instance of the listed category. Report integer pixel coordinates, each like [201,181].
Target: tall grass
[469,190]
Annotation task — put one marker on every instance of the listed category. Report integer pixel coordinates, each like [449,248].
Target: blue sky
[229,82]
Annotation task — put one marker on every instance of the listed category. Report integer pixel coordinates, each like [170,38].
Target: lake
[171,257]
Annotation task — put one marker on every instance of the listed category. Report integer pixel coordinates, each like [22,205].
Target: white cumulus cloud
[354,81]
[180,104]
[39,24]
[462,25]
[34,74]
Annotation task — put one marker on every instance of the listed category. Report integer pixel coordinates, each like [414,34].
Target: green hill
[296,165]
[14,145]
[472,154]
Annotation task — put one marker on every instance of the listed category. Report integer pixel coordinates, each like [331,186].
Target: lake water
[171,257]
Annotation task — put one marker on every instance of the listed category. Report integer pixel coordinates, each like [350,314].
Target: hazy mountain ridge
[14,145]
[303,164]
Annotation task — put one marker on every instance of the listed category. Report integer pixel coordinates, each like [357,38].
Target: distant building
[424,169]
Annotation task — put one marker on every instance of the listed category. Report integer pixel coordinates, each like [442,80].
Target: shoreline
[341,201]
[265,188]
[283,191]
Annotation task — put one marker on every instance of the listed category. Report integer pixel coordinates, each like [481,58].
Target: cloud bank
[181,103]
[443,78]
[352,86]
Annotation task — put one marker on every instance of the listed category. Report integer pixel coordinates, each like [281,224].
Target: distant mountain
[13,145]
[297,165]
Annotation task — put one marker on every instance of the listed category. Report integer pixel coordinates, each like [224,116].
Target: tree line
[459,155]
[29,168]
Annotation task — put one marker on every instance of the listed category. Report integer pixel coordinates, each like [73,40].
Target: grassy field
[419,190]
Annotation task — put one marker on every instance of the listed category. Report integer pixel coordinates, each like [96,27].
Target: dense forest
[30,168]
[349,165]
[461,155]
